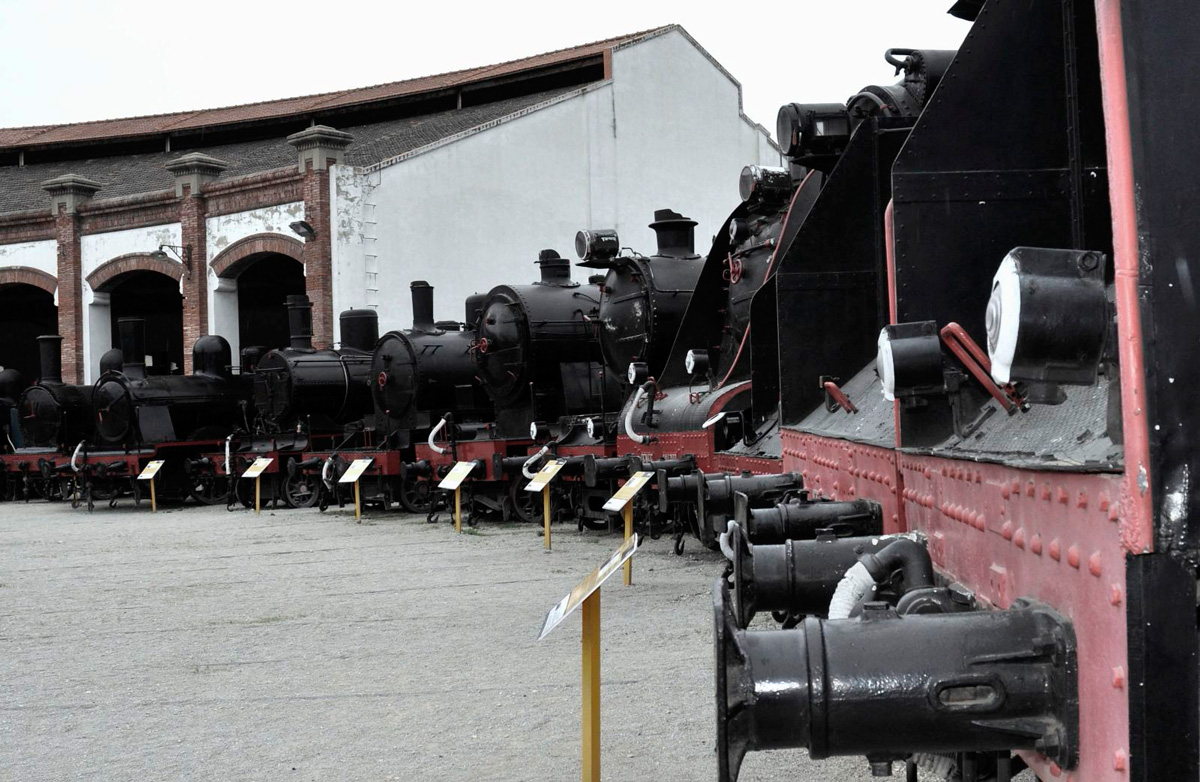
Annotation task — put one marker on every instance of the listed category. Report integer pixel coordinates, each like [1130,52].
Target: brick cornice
[132,262]
[25,275]
[227,261]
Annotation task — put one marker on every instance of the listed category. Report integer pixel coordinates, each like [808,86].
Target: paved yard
[203,644]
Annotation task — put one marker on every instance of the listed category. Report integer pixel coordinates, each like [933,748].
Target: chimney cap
[669,217]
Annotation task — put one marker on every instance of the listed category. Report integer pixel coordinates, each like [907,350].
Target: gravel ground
[202,644]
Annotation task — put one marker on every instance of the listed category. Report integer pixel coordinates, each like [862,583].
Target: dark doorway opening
[156,298]
[26,313]
[263,288]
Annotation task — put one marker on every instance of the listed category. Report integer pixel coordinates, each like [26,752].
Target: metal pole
[153,498]
[458,509]
[546,517]
[357,504]
[258,494]
[591,688]
[627,512]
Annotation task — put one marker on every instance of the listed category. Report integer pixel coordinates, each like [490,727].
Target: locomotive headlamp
[591,427]
[696,362]
[739,230]
[539,431]
[765,185]
[909,359]
[1048,316]
[600,245]
[811,128]
[639,372]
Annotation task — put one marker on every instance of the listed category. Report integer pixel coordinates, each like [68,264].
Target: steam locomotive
[991,563]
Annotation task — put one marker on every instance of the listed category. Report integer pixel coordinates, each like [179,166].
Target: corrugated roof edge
[483,70]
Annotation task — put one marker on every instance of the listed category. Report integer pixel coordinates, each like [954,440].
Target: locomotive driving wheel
[301,489]
[208,488]
[527,505]
[417,496]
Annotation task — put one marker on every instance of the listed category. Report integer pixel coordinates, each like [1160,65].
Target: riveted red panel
[845,470]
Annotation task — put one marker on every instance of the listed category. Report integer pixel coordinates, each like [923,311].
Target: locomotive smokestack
[50,353]
[132,335]
[422,304]
[360,329]
[555,268]
[300,322]
[676,234]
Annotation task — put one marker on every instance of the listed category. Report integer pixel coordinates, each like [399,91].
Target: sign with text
[355,470]
[587,586]
[635,484]
[545,475]
[151,470]
[458,473]
[259,466]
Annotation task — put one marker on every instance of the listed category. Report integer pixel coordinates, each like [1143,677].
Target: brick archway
[230,262]
[123,264]
[25,275]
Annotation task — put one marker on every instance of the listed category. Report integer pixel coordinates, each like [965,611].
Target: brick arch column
[99,279]
[25,275]
[230,262]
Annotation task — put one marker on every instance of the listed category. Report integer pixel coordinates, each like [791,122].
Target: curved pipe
[75,456]
[434,433]
[525,467]
[227,455]
[326,470]
[904,554]
[640,439]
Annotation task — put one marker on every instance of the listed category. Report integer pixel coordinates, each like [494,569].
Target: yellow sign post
[148,472]
[453,482]
[587,594]
[353,474]
[255,471]
[541,482]
[623,501]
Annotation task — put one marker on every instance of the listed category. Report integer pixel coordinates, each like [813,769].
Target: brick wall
[318,254]
[70,295]
[195,283]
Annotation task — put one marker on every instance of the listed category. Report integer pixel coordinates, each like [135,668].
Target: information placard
[355,470]
[256,469]
[587,586]
[151,470]
[458,473]
[635,484]
[545,475]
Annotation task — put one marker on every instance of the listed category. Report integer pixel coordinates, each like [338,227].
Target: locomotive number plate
[355,470]
[635,484]
[545,475]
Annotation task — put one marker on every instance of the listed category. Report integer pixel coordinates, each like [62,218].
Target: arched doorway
[255,275]
[155,297]
[26,313]
[263,287]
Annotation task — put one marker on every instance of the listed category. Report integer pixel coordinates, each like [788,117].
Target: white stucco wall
[222,231]
[42,256]
[95,251]
[473,212]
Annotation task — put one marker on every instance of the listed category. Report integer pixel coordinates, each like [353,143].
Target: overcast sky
[72,61]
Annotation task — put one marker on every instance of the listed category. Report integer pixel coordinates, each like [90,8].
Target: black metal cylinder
[422,306]
[889,685]
[360,329]
[211,355]
[597,469]
[676,234]
[719,489]
[132,335]
[797,577]
[50,355]
[801,520]
[555,269]
[299,310]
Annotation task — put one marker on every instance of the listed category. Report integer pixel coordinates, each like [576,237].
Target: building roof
[124,175]
[308,106]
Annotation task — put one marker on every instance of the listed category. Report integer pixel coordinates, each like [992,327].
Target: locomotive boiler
[317,391]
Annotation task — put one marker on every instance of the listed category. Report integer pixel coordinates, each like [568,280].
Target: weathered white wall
[222,231]
[95,251]
[666,132]
[42,256]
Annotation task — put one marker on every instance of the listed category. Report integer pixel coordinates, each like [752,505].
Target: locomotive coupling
[978,681]
[799,577]
[803,519]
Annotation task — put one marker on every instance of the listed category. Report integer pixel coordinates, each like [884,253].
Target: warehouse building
[204,221]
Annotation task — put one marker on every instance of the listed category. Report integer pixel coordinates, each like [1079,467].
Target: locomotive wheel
[301,489]
[244,492]
[209,489]
[417,496]
[527,505]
